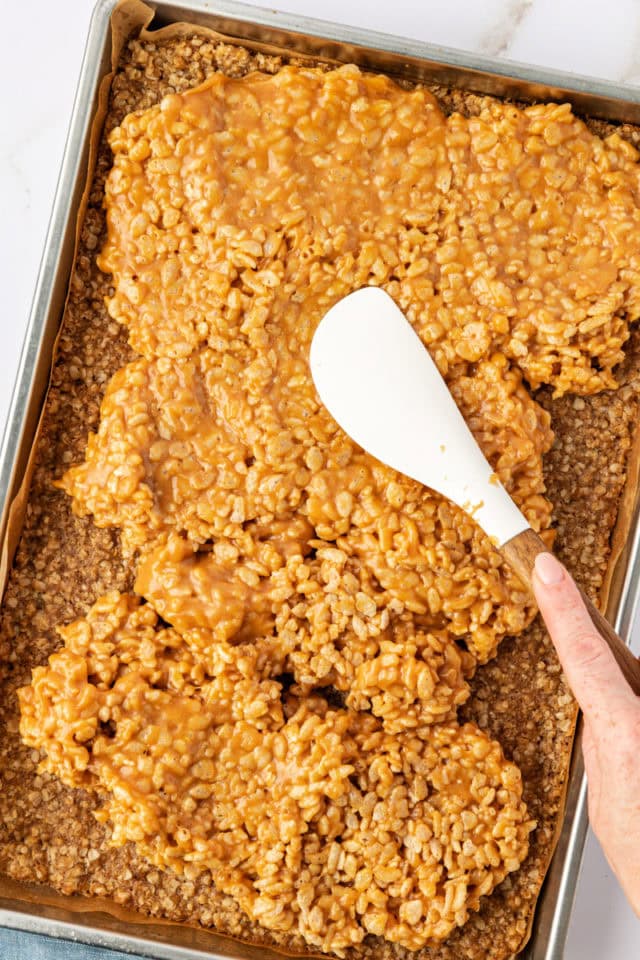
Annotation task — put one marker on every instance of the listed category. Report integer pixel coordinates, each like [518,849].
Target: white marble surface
[42,50]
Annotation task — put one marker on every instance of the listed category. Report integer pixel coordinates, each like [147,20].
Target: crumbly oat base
[63,564]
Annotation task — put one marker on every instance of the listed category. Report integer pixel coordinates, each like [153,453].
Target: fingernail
[548,569]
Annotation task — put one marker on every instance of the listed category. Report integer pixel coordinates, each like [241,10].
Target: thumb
[593,674]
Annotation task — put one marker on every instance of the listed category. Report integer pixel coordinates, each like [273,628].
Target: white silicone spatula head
[379,383]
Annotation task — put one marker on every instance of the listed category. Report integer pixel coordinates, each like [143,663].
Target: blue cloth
[15,945]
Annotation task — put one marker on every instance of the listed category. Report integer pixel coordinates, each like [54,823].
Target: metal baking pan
[43,911]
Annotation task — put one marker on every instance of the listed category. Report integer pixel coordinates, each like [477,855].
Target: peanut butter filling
[238,213]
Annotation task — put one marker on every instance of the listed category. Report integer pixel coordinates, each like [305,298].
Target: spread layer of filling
[291,726]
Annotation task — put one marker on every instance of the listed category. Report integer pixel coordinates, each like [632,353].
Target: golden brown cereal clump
[329,624]
[197,447]
[367,832]
[515,230]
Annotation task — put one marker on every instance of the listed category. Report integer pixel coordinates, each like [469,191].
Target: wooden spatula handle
[521,552]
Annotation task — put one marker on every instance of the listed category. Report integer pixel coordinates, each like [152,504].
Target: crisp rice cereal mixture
[288,706]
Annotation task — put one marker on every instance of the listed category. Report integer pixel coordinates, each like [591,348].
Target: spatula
[379,383]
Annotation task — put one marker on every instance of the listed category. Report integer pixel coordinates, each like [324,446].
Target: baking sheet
[132,16]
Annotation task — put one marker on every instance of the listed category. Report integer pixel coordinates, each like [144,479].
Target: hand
[611,739]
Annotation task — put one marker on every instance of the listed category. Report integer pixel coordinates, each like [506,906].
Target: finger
[593,674]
